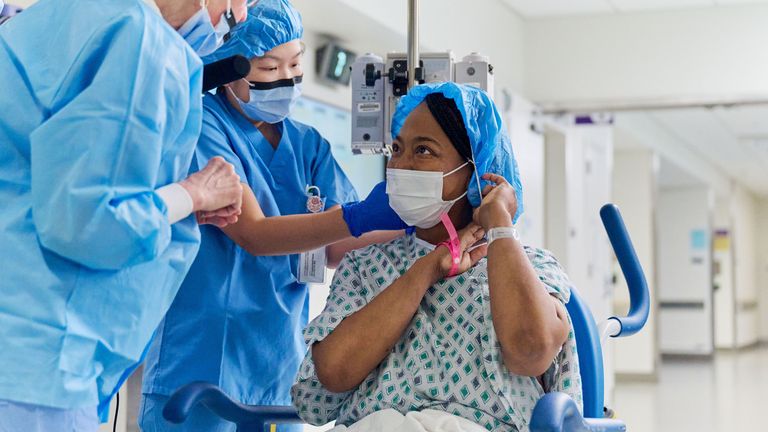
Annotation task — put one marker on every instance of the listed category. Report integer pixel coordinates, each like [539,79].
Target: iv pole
[413,41]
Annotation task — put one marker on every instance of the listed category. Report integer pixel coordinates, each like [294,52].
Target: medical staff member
[100,111]
[237,319]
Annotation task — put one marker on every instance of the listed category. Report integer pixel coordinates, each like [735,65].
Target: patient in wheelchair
[455,326]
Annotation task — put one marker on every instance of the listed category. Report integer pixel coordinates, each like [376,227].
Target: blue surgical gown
[237,319]
[99,106]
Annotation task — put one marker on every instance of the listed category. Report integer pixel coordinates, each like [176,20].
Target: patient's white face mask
[417,196]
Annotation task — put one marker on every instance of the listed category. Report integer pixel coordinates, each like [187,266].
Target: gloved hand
[372,214]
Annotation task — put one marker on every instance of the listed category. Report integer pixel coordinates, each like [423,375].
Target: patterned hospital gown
[447,359]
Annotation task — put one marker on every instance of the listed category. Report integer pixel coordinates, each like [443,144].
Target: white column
[634,191]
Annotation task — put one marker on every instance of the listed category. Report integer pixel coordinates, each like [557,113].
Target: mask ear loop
[480,193]
[477,175]
[229,15]
[232,92]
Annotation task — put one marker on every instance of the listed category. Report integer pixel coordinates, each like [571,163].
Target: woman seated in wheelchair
[439,330]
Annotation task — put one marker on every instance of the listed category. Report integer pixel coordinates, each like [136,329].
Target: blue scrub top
[237,319]
[99,106]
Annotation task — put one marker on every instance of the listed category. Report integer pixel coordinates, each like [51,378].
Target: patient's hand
[499,204]
[468,236]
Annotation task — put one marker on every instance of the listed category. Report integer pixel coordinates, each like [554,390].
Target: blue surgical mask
[271,101]
[200,34]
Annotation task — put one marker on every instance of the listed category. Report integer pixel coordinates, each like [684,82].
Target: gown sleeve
[315,404]
[97,158]
[563,372]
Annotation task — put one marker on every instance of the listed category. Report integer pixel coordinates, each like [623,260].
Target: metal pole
[413,41]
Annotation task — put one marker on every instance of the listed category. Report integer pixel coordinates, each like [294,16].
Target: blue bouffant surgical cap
[491,147]
[270,23]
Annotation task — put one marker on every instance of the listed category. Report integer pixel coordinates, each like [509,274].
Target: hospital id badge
[312,263]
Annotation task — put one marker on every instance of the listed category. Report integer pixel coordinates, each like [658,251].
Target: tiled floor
[722,394]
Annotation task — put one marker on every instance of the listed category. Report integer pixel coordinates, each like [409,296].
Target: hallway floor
[725,393]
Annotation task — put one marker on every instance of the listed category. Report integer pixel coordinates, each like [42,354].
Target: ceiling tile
[644,5]
[670,175]
[712,136]
[739,2]
[549,8]
[745,121]
[544,8]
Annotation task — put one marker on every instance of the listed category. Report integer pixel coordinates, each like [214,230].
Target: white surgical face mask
[417,196]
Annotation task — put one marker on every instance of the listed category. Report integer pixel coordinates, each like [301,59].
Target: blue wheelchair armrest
[639,296]
[183,400]
[557,412]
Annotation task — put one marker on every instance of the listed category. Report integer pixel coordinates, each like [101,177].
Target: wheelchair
[554,412]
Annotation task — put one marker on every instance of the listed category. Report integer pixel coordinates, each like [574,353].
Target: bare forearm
[365,338]
[283,235]
[528,323]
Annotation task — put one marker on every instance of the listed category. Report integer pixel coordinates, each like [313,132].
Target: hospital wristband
[177,201]
[501,232]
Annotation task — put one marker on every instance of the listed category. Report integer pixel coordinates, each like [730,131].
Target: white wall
[579,162]
[762,265]
[634,191]
[488,26]
[695,53]
[555,204]
[528,147]
[745,271]
[683,256]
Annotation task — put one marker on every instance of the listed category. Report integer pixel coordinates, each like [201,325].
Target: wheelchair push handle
[639,296]
[248,417]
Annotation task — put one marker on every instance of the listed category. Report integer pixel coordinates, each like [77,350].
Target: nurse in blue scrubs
[238,317]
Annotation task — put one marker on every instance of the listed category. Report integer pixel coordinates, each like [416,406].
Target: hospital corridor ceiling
[536,9]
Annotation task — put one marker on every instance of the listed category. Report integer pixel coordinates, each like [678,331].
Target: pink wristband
[453,244]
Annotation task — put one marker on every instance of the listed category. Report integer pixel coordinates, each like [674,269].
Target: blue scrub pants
[21,417]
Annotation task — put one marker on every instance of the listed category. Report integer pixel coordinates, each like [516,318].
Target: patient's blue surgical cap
[270,23]
[491,147]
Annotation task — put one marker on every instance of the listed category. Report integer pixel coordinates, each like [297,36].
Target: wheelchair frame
[554,412]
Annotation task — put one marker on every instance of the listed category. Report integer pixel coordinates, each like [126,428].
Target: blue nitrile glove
[372,214]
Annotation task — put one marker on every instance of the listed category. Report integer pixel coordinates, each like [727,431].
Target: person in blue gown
[100,111]
[238,317]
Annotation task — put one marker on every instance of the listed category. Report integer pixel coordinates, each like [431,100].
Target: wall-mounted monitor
[332,63]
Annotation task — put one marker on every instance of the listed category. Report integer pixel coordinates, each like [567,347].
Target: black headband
[448,116]
[287,82]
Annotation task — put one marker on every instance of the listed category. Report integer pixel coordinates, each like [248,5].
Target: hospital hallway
[702,395]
